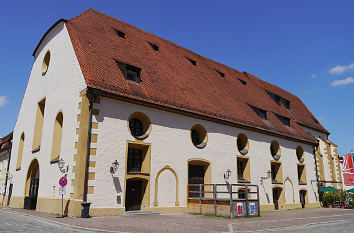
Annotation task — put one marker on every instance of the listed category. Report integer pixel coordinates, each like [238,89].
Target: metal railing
[231,200]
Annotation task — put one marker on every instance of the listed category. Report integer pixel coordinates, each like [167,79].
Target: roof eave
[46,33]
[167,108]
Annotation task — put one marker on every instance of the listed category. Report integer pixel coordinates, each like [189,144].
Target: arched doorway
[278,198]
[32,184]
[303,197]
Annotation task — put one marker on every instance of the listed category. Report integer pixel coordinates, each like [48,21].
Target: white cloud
[3,100]
[341,69]
[343,82]
[314,76]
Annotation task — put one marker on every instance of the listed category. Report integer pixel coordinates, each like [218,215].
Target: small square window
[120,33]
[129,72]
[242,81]
[154,46]
[192,61]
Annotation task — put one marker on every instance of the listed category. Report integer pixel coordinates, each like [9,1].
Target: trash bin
[85,210]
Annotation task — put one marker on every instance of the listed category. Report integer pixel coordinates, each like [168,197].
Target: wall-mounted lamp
[114,167]
[227,174]
[266,177]
[61,165]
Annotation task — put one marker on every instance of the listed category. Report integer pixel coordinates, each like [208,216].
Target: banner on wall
[348,170]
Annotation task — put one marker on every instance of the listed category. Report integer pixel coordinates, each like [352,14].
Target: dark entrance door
[276,198]
[195,176]
[133,195]
[302,198]
[31,200]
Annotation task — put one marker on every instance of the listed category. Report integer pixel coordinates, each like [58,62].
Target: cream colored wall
[171,145]
[60,86]
[4,159]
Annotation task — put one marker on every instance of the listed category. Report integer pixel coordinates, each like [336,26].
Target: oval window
[275,150]
[139,125]
[242,144]
[300,154]
[199,136]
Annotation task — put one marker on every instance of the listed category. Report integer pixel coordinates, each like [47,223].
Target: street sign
[62,191]
[63,182]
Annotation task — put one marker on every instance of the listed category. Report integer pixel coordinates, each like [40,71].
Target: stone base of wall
[267,207]
[313,205]
[292,206]
[17,202]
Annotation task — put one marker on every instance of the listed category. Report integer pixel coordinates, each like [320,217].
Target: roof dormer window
[242,81]
[279,100]
[284,120]
[220,73]
[192,61]
[260,112]
[129,72]
[120,33]
[154,46]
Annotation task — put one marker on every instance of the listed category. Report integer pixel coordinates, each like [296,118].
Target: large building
[138,118]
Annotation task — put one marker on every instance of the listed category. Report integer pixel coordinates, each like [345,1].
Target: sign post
[62,182]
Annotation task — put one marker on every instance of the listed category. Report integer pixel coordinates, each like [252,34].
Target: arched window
[45,64]
[20,151]
[57,136]
[38,127]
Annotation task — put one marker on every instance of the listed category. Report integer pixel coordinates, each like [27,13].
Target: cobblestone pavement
[304,220]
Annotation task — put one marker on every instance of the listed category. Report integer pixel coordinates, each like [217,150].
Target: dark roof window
[154,46]
[120,33]
[260,112]
[279,100]
[192,61]
[315,120]
[220,73]
[243,82]
[129,72]
[284,120]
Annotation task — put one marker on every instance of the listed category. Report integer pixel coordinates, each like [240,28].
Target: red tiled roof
[169,79]
[5,142]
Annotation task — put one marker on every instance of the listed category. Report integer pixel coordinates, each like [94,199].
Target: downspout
[85,210]
[317,181]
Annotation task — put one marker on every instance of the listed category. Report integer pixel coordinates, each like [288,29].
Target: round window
[300,154]
[199,136]
[242,144]
[45,63]
[139,125]
[275,150]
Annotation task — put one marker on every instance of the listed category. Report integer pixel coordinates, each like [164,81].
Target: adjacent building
[5,177]
[137,119]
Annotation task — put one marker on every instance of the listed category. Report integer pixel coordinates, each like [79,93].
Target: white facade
[61,87]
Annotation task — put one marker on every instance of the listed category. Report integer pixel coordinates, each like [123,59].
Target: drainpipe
[317,181]
[7,172]
[85,210]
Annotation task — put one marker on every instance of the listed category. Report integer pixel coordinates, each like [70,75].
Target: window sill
[36,149]
[138,173]
[276,182]
[302,183]
[56,160]
[19,168]
[244,181]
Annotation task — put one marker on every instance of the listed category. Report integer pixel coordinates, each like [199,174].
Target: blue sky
[305,47]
